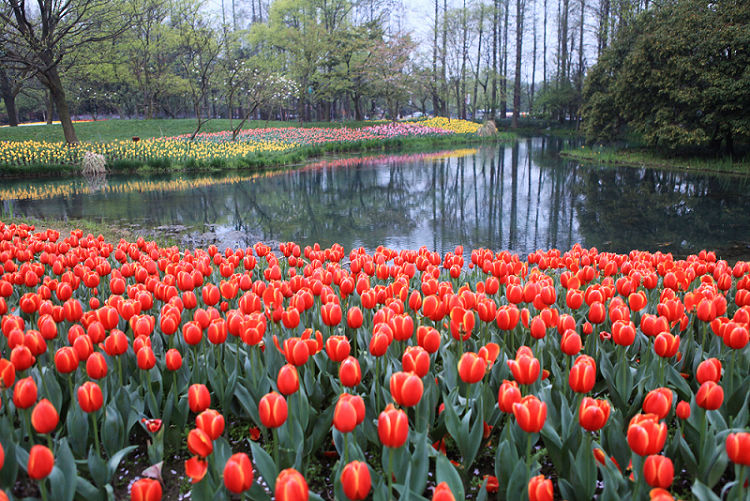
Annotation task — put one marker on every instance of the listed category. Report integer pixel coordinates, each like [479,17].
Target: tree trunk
[517,74]
[479,61]
[435,95]
[533,64]
[445,54]
[57,93]
[564,38]
[9,98]
[464,56]
[504,87]
[603,27]
[495,28]
[544,48]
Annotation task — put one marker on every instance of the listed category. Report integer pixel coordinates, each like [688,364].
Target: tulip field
[133,371]
[259,146]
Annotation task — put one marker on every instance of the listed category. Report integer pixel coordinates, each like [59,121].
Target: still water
[519,197]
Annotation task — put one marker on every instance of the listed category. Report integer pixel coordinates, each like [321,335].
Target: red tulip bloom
[416,360]
[200,443]
[7,374]
[348,413]
[683,410]
[354,317]
[331,314]
[658,471]
[198,397]
[738,448]
[196,468]
[288,379]
[658,401]
[355,479]
[525,368]
[593,414]
[471,368]
[146,489]
[291,486]
[582,377]
[393,427]
[210,421]
[145,358]
[350,372]
[666,345]
[406,388]
[442,493]
[272,409]
[570,343]
[540,489]
[66,360]
[41,462]
[337,348]
[25,393]
[44,417]
[90,397]
[428,338]
[96,366]
[508,395]
[173,360]
[646,435]
[530,413]
[710,396]
[709,370]
[238,473]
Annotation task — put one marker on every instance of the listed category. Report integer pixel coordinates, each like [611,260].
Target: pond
[519,197]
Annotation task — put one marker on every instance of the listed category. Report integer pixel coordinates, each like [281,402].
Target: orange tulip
[393,427]
[593,413]
[291,486]
[406,388]
[41,462]
[272,409]
[238,473]
[44,417]
[540,489]
[658,471]
[530,413]
[146,489]
[646,435]
[355,479]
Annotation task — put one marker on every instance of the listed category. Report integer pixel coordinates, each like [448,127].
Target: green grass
[644,158]
[109,130]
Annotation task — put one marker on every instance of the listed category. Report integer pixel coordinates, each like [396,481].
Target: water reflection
[519,197]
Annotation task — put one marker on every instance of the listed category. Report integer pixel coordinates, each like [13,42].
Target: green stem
[275,447]
[740,489]
[29,426]
[346,448]
[730,378]
[390,473]
[119,369]
[528,457]
[96,434]
[43,489]
[702,431]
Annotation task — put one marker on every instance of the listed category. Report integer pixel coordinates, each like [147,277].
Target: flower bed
[576,375]
[220,148]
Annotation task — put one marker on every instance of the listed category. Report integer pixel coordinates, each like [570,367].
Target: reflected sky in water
[520,197]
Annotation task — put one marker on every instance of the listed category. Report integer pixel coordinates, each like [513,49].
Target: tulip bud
[393,427]
[173,360]
[406,388]
[471,368]
[658,471]
[238,473]
[355,479]
[44,417]
[593,414]
[658,401]
[442,493]
[210,421]
[146,489]
[41,462]
[646,435]
[530,413]
[540,489]
[508,395]
[272,409]
[25,393]
[291,486]
[738,448]
[710,396]
[288,379]
[348,413]
[200,443]
[198,398]
[350,372]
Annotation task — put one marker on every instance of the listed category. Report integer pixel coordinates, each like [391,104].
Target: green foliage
[679,76]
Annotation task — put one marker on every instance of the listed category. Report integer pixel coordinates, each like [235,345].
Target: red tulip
[623,333]
[525,368]
[406,388]
[7,374]
[354,317]
[442,493]
[416,360]
[41,462]
[348,413]
[530,413]
[646,435]
[658,471]
[210,421]
[593,414]
[198,398]
[21,358]
[173,360]
[393,427]
[710,396]
[570,343]
[658,401]
[196,468]
[355,479]
[238,473]
[146,489]
[96,366]
[288,379]
[350,372]
[90,397]
[540,489]
[471,368]
[428,338]
[683,410]
[145,358]
[737,447]
[508,395]
[291,486]
[666,345]
[24,393]
[709,370]
[582,375]
[200,443]
[331,314]
[272,409]
[337,348]
[44,417]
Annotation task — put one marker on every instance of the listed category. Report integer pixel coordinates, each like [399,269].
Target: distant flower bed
[219,146]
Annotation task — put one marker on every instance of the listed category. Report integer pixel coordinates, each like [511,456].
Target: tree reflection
[518,197]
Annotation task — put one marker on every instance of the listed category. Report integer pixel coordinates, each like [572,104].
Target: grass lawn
[109,130]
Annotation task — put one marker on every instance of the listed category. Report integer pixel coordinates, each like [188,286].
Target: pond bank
[642,158]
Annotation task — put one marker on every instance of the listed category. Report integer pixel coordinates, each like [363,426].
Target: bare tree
[40,38]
